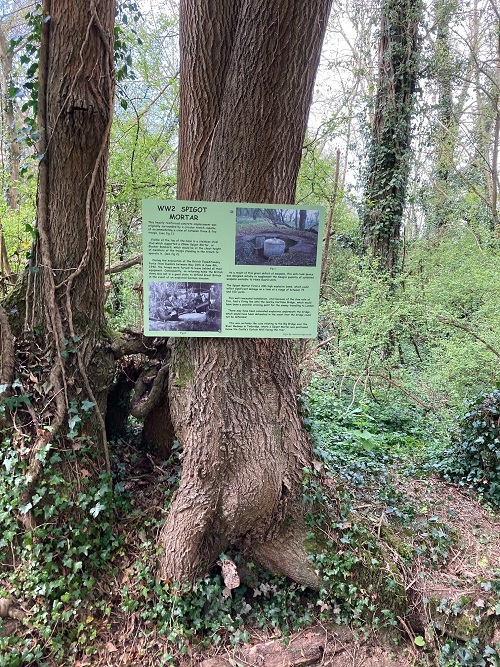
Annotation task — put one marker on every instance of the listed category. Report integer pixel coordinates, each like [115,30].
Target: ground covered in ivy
[84,593]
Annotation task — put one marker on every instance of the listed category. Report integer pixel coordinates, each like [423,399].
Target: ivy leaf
[419,640]
[97,509]
[24,509]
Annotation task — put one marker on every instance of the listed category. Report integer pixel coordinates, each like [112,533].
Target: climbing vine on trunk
[390,150]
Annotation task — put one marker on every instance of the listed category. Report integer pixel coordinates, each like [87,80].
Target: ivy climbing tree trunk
[60,301]
[247,75]
[389,153]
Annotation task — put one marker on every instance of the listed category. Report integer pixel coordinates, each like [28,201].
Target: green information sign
[234,270]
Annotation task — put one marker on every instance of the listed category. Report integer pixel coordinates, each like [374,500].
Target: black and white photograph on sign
[185,306]
[276,236]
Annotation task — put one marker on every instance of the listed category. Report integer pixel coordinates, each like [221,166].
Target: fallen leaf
[230,573]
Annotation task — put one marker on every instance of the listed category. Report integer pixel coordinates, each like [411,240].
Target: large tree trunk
[446,133]
[60,300]
[76,105]
[247,75]
[76,94]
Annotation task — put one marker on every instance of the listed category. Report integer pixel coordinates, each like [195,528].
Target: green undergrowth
[88,569]
[55,571]
[369,451]
[206,614]
[89,566]
[363,439]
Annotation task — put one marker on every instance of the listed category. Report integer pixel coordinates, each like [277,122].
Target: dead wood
[9,610]
[135,342]
[147,400]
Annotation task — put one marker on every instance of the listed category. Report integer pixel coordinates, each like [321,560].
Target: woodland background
[400,390]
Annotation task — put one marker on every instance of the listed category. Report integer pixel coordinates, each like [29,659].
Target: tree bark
[246,88]
[76,105]
[61,297]
[447,128]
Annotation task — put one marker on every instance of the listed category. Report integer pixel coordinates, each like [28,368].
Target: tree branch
[124,265]
[143,406]
[458,325]
[135,342]
[414,398]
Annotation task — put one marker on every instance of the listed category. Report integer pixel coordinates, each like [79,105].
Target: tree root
[143,403]
[9,610]
[305,648]
[287,555]
[186,537]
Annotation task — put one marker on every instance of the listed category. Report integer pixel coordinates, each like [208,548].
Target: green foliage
[359,584]
[421,341]
[142,152]
[316,176]
[474,456]
[27,90]
[470,654]
[54,568]
[57,564]
[127,17]
[206,612]
[362,445]
[380,429]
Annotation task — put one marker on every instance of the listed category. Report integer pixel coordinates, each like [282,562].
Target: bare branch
[458,325]
[143,406]
[124,265]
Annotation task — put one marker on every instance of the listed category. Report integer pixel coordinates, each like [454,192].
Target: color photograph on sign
[276,237]
[234,270]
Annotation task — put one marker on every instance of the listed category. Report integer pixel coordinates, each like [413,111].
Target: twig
[316,347]
[458,325]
